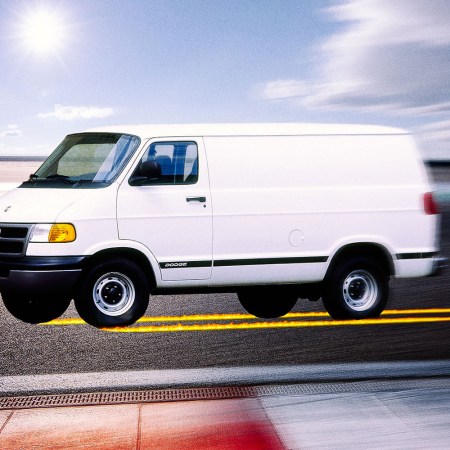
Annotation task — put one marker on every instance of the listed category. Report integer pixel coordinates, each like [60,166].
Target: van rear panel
[305,197]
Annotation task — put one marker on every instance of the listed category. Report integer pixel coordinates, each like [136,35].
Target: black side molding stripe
[184,264]
[270,261]
[415,255]
[243,262]
[264,261]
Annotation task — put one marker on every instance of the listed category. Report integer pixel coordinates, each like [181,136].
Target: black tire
[35,308]
[356,289]
[267,302]
[112,293]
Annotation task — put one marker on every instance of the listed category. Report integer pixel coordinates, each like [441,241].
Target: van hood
[23,205]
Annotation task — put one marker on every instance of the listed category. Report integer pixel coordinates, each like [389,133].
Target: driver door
[171,214]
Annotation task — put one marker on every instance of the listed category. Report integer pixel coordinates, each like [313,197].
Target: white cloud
[77,112]
[279,89]
[12,130]
[389,54]
[389,57]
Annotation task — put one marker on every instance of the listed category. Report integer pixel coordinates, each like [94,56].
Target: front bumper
[41,275]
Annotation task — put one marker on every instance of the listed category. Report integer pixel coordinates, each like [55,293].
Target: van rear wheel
[267,302]
[356,289]
[35,308]
[113,293]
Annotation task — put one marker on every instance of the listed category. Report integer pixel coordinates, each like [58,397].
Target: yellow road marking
[416,311]
[68,321]
[281,324]
[192,318]
[284,322]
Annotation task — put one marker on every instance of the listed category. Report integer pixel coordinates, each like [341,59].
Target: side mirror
[148,171]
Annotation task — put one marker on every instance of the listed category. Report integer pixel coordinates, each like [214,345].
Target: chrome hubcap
[113,294]
[360,290]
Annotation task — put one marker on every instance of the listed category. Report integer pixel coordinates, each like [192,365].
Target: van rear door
[170,212]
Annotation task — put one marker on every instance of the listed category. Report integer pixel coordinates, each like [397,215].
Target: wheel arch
[373,251]
[126,253]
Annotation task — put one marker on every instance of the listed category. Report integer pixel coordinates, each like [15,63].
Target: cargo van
[273,212]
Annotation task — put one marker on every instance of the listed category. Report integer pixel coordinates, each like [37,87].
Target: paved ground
[400,414]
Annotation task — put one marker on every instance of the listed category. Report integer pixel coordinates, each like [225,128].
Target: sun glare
[42,31]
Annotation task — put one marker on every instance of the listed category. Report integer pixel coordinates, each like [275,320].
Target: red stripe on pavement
[220,425]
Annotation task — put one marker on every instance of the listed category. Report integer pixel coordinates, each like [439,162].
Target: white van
[274,212]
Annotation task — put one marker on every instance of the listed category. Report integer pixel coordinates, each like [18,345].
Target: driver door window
[178,162]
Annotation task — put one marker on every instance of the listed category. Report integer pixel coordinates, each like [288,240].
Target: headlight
[56,232]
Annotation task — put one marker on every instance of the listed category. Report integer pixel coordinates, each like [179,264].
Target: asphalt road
[74,348]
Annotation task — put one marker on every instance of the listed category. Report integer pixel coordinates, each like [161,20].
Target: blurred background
[68,66]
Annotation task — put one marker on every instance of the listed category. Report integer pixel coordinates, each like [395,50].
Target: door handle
[196,199]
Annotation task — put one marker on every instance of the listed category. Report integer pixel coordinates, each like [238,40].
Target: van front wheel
[356,289]
[113,293]
[35,308]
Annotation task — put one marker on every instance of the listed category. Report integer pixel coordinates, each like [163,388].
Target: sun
[43,31]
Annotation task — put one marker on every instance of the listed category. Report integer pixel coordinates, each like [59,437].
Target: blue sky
[101,62]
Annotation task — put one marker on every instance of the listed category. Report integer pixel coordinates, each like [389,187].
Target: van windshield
[85,160]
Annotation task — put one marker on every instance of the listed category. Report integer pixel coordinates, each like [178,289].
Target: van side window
[176,162]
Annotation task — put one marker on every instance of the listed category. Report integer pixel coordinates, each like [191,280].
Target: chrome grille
[13,239]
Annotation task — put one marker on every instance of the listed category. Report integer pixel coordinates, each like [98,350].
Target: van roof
[247,129]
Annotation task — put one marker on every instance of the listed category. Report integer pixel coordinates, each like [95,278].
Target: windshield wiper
[55,177]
